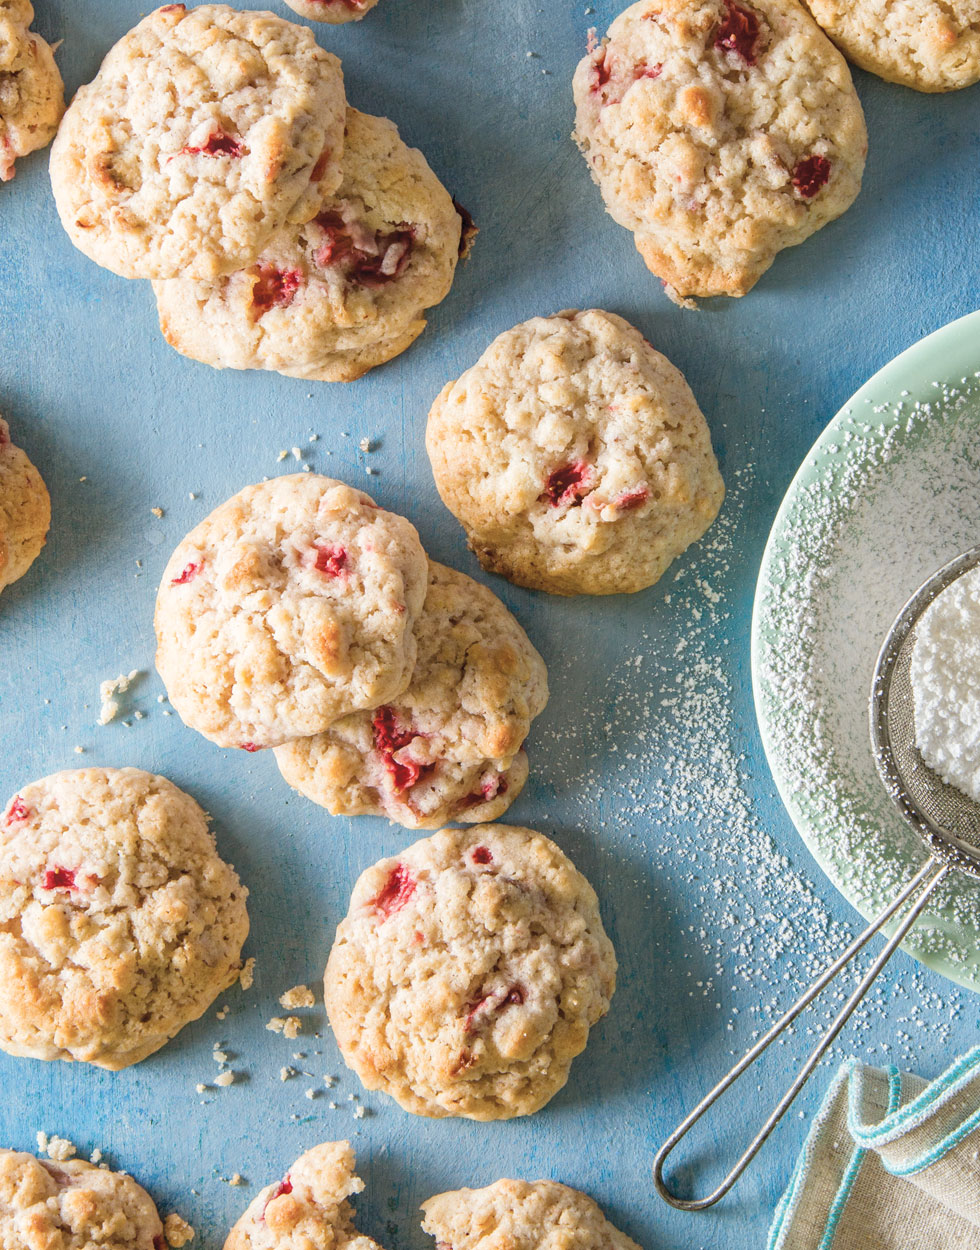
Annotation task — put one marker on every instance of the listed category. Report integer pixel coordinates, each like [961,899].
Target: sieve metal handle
[927,878]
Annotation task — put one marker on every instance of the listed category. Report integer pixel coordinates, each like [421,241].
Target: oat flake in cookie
[308,1209]
[450,747]
[468,972]
[330,299]
[291,605]
[521,1215]
[719,132]
[575,456]
[25,510]
[204,131]
[119,923]
[931,45]
[32,95]
[333,11]
[73,1205]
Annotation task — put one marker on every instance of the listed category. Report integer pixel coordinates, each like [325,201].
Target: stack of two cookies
[301,616]
[215,154]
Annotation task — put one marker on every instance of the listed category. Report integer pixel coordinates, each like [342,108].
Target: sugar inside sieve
[947,821]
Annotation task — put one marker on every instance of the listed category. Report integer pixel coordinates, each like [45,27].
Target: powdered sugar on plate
[945,677]
[889,494]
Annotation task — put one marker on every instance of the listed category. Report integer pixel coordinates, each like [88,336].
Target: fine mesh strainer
[947,821]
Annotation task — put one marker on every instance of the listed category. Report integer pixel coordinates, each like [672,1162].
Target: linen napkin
[892,1162]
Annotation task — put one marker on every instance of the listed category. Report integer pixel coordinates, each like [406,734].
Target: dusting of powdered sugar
[670,769]
[945,678]
[894,494]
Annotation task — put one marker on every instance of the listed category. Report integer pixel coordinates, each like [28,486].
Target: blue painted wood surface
[92,391]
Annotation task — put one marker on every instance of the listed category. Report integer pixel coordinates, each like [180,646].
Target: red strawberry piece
[274,288]
[366,258]
[482,855]
[738,32]
[395,892]
[330,560]
[810,174]
[390,738]
[632,498]
[216,144]
[285,1186]
[18,810]
[159,1242]
[250,746]
[320,168]
[491,1004]
[60,879]
[188,575]
[567,486]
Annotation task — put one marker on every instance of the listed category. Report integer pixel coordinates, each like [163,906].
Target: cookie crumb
[57,1148]
[330,1081]
[236,1179]
[298,996]
[366,445]
[360,1113]
[95,1156]
[246,978]
[297,454]
[200,1089]
[79,750]
[288,1026]
[219,1056]
[224,1078]
[110,706]
[282,455]
[177,1231]
[312,1093]
[157,512]
[286,1073]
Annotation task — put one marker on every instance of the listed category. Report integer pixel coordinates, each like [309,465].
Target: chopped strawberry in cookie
[273,288]
[566,487]
[395,892]
[810,174]
[367,257]
[391,740]
[739,32]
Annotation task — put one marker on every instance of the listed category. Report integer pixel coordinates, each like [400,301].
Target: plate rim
[892,377]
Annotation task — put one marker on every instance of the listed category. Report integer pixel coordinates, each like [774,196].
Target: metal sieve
[947,821]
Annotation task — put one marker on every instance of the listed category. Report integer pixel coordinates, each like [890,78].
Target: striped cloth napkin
[892,1162]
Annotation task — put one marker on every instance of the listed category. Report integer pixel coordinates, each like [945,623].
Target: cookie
[32,95]
[450,747]
[931,45]
[25,510]
[575,456]
[73,1205]
[330,299]
[291,605]
[307,1209]
[468,972]
[719,132]
[521,1215]
[119,923]
[204,131]
[333,11]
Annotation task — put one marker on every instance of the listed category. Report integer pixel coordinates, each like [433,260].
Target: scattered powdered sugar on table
[893,497]
[945,677]
[667,767]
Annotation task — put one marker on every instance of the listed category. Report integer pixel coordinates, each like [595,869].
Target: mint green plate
[888,493]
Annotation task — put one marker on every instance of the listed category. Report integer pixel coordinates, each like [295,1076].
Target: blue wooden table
[646,765]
